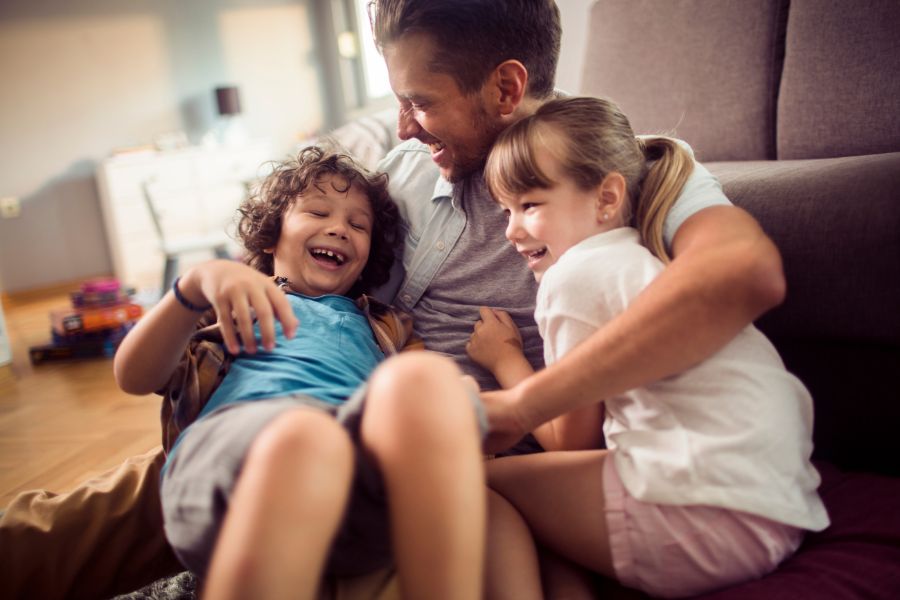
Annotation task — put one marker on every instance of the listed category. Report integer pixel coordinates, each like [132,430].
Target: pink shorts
[675,551]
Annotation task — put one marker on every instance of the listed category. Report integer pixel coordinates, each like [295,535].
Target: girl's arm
[150,352]
[496,345]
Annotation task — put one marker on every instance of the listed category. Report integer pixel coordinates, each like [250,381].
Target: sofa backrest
[703,70]
[840,88]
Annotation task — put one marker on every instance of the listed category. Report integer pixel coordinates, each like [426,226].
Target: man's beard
[473,162]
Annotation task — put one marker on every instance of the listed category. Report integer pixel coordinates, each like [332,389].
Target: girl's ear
[611,198]
[509,82]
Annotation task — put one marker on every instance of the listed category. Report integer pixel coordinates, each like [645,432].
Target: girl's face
[325,239]
[544,223]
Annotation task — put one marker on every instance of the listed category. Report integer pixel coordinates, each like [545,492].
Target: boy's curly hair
[261,215]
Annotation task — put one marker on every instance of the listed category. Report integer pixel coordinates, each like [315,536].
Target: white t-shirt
[734,432]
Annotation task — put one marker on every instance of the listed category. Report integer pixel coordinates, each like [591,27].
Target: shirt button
[439,245]
[407,298]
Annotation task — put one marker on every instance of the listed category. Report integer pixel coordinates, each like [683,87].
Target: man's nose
[407,126]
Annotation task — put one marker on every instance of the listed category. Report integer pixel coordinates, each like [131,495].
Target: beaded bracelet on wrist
[184,301]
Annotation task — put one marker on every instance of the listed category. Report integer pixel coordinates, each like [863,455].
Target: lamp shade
[228,100]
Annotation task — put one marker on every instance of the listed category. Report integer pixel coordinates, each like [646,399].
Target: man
[463,70]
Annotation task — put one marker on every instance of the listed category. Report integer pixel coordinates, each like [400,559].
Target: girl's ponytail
[670,167]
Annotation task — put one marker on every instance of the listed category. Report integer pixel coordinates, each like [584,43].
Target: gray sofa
[795,107]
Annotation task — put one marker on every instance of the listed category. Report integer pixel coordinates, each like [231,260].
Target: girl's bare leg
[562,579]
[560,495]
[421,429]
[512,569]
[287,506]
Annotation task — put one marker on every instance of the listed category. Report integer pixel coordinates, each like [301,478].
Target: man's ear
[510,80]
[611,198]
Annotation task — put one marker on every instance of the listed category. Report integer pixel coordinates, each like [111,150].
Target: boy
[255,490]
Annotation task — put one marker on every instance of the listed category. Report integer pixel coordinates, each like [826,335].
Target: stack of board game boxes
[102,312]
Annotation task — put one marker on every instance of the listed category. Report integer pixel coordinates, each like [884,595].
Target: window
[355,78]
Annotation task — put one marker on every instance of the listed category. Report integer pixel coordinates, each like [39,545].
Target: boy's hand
[237,292]
[495,339]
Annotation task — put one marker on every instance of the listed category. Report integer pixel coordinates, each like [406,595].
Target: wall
[79,79]
[574,15]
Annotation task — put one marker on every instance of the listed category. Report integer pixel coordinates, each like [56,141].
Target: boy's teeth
[337,257]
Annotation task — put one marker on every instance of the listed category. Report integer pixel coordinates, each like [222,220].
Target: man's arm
[726,273]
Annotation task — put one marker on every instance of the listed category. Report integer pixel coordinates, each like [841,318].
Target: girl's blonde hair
[591,138]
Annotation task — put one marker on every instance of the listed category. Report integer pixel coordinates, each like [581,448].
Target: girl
[295,466]
[707,480]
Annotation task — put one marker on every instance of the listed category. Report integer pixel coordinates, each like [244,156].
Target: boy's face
[457,128]
[544,223]
[325,238]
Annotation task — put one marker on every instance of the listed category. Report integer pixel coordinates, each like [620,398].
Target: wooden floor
[62,423]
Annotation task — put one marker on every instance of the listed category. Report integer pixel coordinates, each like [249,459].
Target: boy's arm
[726,272]
[151,351]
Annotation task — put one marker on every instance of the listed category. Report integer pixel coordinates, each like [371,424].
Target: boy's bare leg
[512,569]
[420,427]
[286,508]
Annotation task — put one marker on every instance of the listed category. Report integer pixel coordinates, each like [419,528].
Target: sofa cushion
[837,224]
[839,327]
[856,557]
[840,90]
[702,70]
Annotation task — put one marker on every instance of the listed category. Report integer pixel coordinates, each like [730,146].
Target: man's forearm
[726,273]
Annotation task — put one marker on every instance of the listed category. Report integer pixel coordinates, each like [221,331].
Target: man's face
[458,128]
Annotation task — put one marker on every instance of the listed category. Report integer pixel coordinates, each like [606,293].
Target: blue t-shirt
[332,354]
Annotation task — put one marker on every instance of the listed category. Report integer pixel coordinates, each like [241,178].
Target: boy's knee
[419,398]
[301,435]
[414,371]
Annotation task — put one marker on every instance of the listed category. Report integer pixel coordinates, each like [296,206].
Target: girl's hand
[506,425]
[237,292]
[495,340]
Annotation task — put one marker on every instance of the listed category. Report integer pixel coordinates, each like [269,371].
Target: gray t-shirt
[482,269]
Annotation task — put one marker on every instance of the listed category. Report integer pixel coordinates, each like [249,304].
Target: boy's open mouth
[326,255]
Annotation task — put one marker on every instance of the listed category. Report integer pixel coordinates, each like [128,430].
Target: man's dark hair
[261,215]
[472,37]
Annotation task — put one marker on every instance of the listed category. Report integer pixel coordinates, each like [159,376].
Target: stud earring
[605,216]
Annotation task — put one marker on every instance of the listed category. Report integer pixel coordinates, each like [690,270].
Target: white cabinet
[196,192]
